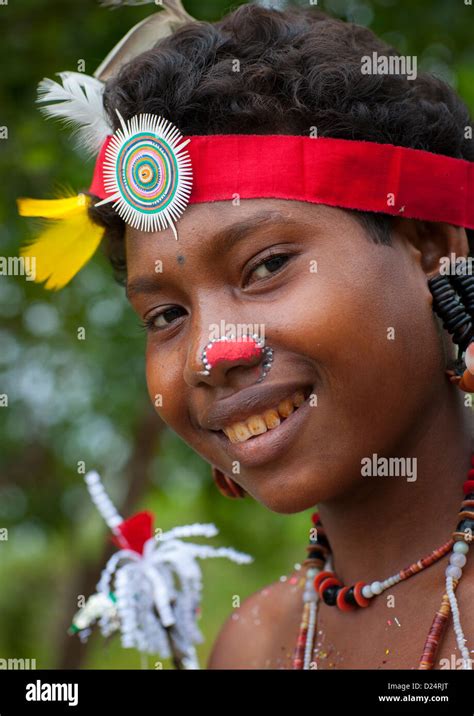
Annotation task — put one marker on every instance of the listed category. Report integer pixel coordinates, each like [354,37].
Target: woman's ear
[432,241]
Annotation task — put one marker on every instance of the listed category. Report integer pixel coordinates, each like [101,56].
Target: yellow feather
[53,208]
[68,242]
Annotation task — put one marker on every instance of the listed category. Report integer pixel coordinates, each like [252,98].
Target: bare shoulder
[262,632]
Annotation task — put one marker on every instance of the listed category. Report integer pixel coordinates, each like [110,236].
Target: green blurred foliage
[73,400]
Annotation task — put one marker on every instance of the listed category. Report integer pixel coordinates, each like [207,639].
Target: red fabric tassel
[135,532]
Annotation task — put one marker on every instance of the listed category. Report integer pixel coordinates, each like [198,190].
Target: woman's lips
[268,446]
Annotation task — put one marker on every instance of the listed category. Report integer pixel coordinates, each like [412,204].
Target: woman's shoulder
[262,632]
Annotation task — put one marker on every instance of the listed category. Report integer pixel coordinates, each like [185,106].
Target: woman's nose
[225,353]
[217,357]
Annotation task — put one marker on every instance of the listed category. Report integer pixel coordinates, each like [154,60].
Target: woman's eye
[270,266]
[161,320]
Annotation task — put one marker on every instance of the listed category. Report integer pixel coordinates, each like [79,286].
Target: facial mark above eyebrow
[180,259]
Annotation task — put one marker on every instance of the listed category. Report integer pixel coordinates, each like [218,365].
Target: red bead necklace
[324,584]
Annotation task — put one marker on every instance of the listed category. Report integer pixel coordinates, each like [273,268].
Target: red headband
[337,172]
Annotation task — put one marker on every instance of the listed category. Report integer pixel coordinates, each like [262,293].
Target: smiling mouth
[270,419]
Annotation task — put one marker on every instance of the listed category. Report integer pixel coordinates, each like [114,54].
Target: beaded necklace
[322,583]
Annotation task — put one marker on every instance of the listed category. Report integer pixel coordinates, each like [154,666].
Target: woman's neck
[388,522]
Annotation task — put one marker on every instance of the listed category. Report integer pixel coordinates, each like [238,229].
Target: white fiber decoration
[152,599]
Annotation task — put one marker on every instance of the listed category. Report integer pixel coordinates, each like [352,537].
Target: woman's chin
[286,496]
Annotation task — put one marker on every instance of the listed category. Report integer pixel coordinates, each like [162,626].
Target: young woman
[355,383]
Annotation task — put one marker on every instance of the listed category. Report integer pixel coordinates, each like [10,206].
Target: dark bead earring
[453,311]
[450,308]
[464,285]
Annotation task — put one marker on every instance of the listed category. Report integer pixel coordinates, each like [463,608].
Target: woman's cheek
[154,384]
[164,384]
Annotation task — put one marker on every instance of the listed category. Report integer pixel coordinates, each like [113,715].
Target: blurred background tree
[73,400]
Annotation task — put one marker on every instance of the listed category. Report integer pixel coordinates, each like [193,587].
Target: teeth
[286,407]
[231,435]
[256,425]
[241,432]
[272,419]
[269,420]
[298,398]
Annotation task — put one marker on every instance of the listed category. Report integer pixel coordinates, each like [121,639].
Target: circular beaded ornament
[148,172]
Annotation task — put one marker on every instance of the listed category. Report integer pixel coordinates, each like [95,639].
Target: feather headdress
[71,237]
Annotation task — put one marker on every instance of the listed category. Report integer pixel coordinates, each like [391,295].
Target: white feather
[79,102]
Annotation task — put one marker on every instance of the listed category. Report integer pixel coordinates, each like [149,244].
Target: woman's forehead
[216,236]
[221,225]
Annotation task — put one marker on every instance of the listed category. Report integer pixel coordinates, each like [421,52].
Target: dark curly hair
[299,68]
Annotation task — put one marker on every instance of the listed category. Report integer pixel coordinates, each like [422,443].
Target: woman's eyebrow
[226,239]
[141,284]
[222,241]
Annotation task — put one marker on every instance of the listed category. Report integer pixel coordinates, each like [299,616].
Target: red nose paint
[230,351]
